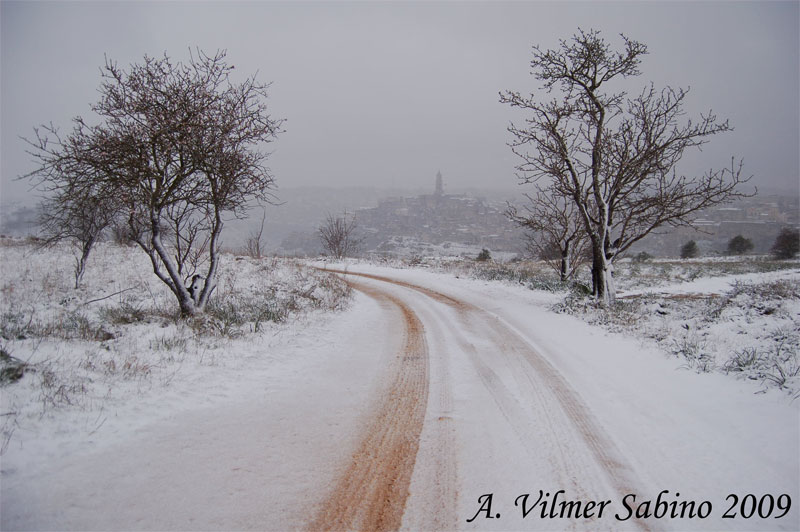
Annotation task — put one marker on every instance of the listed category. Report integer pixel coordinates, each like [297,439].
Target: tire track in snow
[435,482]
[372,491]
[547,387]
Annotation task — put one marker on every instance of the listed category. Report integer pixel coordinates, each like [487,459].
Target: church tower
[439,185]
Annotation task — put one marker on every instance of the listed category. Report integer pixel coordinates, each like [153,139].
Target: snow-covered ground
[706,437]
[412,249]
[129,419]
[739,316]
[743,325]
[111,357]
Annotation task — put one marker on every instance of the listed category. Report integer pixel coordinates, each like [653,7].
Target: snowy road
[517,397]
[439,403]
[521,400]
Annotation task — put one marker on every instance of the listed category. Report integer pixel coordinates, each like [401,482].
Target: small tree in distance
[690,250]
[554,231]
[787,244]
[177,148]
[338,236]
[77,216]
[254,244]
[739,245]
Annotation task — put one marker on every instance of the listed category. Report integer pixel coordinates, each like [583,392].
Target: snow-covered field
[235,420]
[112,356]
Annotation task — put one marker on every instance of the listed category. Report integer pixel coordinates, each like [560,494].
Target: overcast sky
[386,94]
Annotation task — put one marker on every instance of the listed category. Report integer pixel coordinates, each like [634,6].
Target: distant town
[439,223]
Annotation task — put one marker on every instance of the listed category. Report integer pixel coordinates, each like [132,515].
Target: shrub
[695,354]
[11,368]
[484,255]
[776,364]
[787,244]
[743,361]
[128,311]
[56,389]
[227,317]
[739,245]
[690,250]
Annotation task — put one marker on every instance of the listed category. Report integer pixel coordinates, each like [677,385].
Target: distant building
[438,218]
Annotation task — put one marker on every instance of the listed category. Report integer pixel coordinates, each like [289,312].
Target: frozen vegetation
[79,358]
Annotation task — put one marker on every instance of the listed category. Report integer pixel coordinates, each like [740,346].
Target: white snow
[247,432]
[713,285]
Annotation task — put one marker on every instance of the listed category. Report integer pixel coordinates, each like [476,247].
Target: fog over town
[379,97]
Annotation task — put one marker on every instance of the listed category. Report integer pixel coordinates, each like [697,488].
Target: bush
[484,255]
[776,364]
[739,245]
[690,250]
[695,353]
[225,318]
[11,368]
[787,244]
[128,311]
[528,278]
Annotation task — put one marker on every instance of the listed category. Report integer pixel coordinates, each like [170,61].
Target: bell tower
[439,185]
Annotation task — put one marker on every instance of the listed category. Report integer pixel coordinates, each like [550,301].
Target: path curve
[564,428]
[371,493]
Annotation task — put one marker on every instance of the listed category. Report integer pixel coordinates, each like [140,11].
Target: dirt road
[529,397]
[372,492]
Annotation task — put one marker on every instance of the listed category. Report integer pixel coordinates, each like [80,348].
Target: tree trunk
[606,280]
[565,262]
[188,307]
[158,253]
[211,275]
[80,262]
[603,288]
[80,267]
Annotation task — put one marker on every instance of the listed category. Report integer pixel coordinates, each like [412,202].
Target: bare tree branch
[253,246]
[554,231]
[338,236]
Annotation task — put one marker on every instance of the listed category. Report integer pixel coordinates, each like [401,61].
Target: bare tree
[253,245]
[554,230]
[178,148]
[338,235]
[614,157]
[77,216]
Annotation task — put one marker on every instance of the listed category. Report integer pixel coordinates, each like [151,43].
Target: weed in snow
[751,331]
